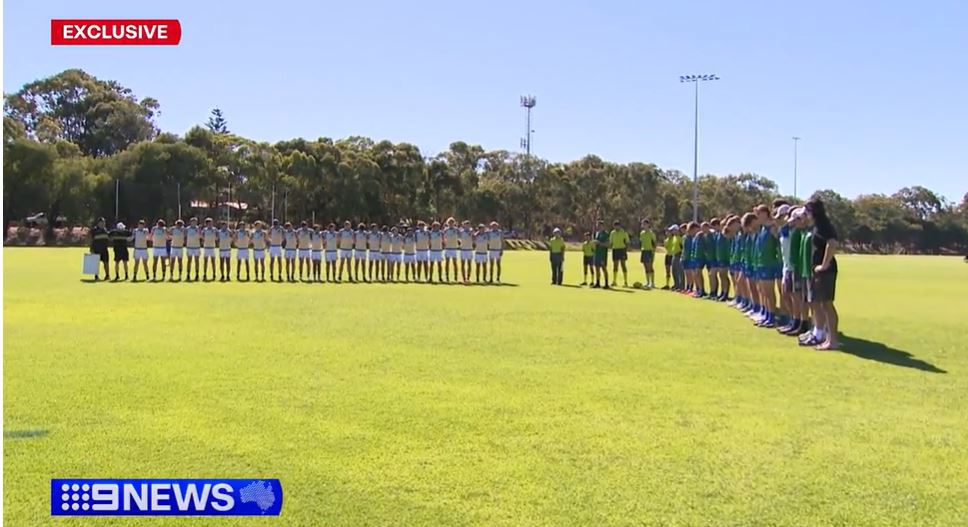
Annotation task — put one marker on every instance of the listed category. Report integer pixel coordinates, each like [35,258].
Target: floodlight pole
[695,147]
[528,102]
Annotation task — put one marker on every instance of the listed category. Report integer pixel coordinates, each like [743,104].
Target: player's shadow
[880,352]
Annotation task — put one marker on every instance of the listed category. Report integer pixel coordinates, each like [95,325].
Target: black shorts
[121,256]
[647,257]
[588,260]
[822,287]
[788,283]
[601,259]
[620,255]
[668,260]
[103,255]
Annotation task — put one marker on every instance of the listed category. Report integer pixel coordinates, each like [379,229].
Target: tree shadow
[880,352]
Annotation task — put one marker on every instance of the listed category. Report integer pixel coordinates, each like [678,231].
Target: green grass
[528,405]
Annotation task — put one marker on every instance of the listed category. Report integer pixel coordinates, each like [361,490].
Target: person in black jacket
[119,241]
[99,245]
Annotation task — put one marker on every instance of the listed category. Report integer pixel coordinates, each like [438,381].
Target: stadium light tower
[795,141]
[528,102]
[695,146]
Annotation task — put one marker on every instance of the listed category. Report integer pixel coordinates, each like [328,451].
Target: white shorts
[209,252]
[346,254]
[192,251]
[141,254]
[359,254]
[422,256]
[176,252]
[395,257]
[331,256]
[316,255]
[225,253]
[158,252]
[480,258]
[436,256]
[304,253]
[466,255]
[376,256]
[494,254]
[275,251]
[450,253]
[409,258]
[290,254]
[257,254]
[243,254]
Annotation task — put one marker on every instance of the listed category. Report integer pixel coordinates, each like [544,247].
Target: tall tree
[217,123]
[100,117]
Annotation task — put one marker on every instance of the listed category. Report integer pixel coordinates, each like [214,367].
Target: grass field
[516,405]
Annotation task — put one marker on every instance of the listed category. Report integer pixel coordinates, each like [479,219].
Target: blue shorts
[647,257]
[770,273]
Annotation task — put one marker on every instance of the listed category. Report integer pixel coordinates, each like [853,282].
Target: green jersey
[749,251]
[601,248]
[806,254]
[723,243]
[795,236]
[769,249]
[709,246]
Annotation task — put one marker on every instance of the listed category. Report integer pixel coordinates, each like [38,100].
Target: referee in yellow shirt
[619,239]
[556,246]
[647,244]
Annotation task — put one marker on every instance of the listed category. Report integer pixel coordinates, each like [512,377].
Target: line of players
[767,254]
[365,254]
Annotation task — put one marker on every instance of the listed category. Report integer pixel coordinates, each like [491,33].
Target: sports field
[524,404]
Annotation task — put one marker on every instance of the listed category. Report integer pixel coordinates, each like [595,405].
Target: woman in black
[119,240]
[99,245]
[823,284]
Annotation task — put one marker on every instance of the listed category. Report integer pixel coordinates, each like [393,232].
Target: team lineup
[366,254]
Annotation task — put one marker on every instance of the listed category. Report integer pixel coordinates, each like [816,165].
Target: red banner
[114,32]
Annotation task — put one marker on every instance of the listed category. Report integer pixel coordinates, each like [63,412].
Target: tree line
[72,141]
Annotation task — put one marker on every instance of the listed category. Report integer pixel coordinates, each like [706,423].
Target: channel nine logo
[165,497]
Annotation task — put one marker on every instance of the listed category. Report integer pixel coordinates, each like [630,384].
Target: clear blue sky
[875,89]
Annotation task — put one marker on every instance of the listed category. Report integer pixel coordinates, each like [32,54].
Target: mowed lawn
[516,405]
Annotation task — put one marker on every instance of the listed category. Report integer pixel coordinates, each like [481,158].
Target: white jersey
[303,237]
[290,237]
[374,240]
[360,240]
[423,240]
[140,238]
[242,238]
[436,240]
[316,240]
[209,236]
[193,237]
[495,240]
[225,239]
[450,237]
[158,236]
[467,239]
[177,237]
[275,235]
[258,237]
[346,238]
[331,240]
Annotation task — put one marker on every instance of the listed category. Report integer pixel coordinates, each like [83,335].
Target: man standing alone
[556,246]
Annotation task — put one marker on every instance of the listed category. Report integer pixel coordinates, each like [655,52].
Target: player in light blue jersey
[451,247]
[373,240]
[410,254]
[346,239]
[359,252]
[466,250]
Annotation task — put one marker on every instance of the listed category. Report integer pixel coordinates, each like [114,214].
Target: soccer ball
[637,285]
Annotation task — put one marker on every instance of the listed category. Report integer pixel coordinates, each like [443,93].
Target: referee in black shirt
[99,245]
[119,242]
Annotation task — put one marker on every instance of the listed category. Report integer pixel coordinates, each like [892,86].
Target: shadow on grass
[24,434]
[880,352]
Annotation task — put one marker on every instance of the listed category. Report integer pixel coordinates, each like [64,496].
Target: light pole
[528,102]
[795,141]
[695,148]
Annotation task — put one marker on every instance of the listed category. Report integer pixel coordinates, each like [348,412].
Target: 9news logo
[165,497]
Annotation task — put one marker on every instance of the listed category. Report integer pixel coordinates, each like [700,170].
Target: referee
[100,238]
